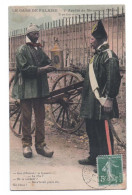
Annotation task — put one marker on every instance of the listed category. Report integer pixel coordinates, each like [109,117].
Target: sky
[21,16]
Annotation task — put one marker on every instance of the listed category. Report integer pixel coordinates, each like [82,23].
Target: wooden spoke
[64,81]
[76,103]
[71,80]
[16,119]
[63,118]
[56,109]
[73,115]
[65,112]
[68,120]
[59,115]
[14,112]
[20,127]
[74,96]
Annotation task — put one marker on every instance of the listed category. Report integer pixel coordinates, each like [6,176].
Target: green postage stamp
[110,169]
[67,71]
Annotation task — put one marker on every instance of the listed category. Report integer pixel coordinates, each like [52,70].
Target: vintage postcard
[67,68]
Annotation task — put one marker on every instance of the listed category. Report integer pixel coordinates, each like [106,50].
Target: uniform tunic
[106,69]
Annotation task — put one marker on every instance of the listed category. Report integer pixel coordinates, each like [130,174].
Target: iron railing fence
[73,35]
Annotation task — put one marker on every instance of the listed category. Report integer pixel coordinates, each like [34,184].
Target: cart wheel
[65,113]
[15,113]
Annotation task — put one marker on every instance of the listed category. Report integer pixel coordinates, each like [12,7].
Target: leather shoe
[95,170]
[87,161]
[44,151]
[27,152]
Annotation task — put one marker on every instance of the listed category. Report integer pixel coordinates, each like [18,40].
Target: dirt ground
[62,172]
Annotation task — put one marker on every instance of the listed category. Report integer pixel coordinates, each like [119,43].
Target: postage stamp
[58,126]
[110,169]
[91,178]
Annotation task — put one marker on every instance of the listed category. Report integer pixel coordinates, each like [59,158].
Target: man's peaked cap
[98,31]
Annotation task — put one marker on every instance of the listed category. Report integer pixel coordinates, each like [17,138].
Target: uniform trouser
[26,116]
[97,138]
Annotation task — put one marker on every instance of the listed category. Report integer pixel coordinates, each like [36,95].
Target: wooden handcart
[64,101]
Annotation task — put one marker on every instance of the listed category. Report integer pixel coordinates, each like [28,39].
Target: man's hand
[74,68]
[46,69]
[49,68]
[108,105]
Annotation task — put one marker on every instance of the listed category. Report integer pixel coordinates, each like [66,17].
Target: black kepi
[98,31]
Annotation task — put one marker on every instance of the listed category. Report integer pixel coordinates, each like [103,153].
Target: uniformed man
[101,86]
[31,86]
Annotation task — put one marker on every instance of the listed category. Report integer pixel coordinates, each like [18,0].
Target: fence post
[117,28]
[87,39]
[69,35]
[10,45]
[108,25]
[79,37]
[112,28]
[72,39]
[122,39]
[74,35]
[84,41]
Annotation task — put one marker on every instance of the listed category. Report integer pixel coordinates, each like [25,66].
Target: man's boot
[87,161]
[27,152]
[44,151]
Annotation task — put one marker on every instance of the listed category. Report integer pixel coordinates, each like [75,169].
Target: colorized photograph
[67,97]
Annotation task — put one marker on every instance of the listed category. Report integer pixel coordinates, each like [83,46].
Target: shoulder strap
[94,83]
[109,52]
